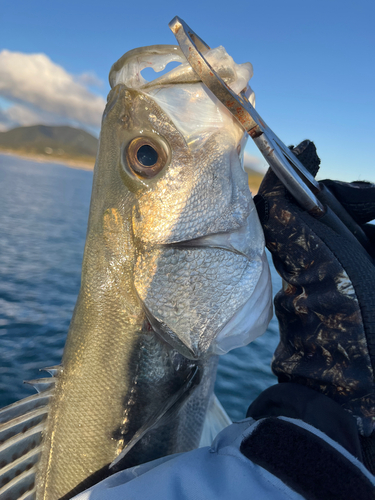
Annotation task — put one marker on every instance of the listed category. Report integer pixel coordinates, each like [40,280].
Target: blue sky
[313,63]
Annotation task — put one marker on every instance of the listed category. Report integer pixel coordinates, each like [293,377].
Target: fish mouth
[214,240]
[246,241]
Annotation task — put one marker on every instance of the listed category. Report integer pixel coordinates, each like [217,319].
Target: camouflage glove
[326,309]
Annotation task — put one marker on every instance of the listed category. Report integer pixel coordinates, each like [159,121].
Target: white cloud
[90,79]
[44,92]
[21,115]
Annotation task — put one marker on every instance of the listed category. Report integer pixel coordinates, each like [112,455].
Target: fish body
[168,263]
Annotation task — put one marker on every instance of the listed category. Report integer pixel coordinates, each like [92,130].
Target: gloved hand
[326,309]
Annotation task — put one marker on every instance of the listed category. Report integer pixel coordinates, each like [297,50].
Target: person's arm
[325,361]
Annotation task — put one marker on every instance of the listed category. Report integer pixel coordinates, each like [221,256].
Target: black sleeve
[304,461]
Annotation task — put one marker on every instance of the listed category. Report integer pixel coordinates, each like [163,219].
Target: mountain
[63,142]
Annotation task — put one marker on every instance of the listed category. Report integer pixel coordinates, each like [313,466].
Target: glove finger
[307,155]
[358,198]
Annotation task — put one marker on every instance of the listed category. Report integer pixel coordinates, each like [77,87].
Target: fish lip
[246,241]
[213,240]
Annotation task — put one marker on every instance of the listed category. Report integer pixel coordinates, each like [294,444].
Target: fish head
[170,187]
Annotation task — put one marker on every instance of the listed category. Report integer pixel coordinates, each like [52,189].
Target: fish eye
[146,156]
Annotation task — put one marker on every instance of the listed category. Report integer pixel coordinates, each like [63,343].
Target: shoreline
[254,181]
[39,158]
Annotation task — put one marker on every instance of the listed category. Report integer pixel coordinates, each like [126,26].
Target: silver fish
[173,253]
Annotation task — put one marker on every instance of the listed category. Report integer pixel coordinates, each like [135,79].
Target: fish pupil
[147,156]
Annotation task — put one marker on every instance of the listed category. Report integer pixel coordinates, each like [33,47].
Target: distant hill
[61,142]
[255,178]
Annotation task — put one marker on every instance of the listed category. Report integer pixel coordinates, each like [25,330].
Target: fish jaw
[191,290]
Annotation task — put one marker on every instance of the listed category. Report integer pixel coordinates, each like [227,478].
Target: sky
[313,62]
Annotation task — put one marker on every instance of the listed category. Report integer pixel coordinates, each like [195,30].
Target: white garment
[219,472]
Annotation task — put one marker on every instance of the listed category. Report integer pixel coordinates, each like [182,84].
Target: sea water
[43,219]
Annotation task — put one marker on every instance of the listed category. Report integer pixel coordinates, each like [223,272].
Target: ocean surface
[43,218]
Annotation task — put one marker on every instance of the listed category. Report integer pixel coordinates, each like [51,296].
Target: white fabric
[217,473]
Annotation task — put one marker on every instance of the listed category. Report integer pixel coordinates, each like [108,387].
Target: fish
[173,274]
